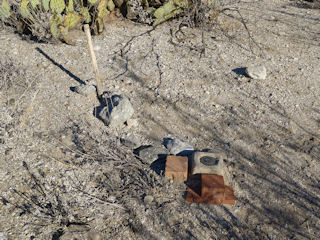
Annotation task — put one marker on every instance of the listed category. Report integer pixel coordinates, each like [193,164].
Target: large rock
[176,146]
[256,72]
[118,110]
[149,154]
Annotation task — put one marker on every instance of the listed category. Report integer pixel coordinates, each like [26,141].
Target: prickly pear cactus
[169,10]
[56,20]
[57,6]
[24,10]
[45,4]
[85,15]
[5,10]
[35,3]
[71,21]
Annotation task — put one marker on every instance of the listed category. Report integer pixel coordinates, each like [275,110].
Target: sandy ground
[64,175]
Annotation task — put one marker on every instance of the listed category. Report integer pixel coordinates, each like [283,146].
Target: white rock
[176,146]
[256,72]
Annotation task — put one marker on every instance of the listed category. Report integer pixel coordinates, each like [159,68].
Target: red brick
[177,168]
[209,188]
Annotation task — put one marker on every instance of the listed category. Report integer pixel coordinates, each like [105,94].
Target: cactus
[85,14]
[24,10]
[57,6]
[35,3]
[70,6]
[102,12]
[111,6]
[71,21]
[45,4]
[54,25]
[92,1]
[169,10]
[5,10]
[58,17]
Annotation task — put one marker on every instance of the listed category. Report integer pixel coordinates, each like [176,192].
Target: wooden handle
[93,60]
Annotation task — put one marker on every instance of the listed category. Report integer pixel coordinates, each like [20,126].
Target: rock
[132,123]
[112,199]
[117,112]
[86,90]
[130,142]
[176,146]
[150,154]
[3,236]
[148,199]
[256,72]
[210,163]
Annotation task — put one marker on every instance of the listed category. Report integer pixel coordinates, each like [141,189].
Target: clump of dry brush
[47,20]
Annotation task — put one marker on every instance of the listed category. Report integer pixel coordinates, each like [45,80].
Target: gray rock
[176,146]
[256,72]
[131,142]
[3,236]
[117,112]
[85,89]
[148,199]
[151,153]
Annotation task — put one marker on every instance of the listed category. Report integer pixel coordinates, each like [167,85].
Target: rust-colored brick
[209,188]
[177,168]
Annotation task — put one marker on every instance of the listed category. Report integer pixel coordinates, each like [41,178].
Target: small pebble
[85,90]
[148,199]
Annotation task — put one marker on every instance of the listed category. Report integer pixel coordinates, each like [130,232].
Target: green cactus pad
[5,9]
[92,1]
[70,6]
[35,3]
[24,10]
[102,9]
[57,6]
[169,10]
[45,4]
[85,14]
[111,5]
[71,20]
[54,26]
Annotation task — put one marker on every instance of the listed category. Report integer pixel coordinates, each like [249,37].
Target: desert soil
[65,175]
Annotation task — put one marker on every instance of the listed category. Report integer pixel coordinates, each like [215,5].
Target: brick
[207,163]
[177,168]
[209,188]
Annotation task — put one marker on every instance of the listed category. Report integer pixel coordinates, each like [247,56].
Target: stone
[132,123]
[88,90]
[3,236]
[176,146]
[150,154]
[148,199]
[256,72]
[118,110]
[206,162]
[177,168]
[130,142]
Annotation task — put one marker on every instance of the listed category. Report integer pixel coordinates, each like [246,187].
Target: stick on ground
[94,61]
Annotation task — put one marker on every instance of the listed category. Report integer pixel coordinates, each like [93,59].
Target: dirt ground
[64,175]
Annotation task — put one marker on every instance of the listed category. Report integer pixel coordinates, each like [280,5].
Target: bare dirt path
[64,174]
